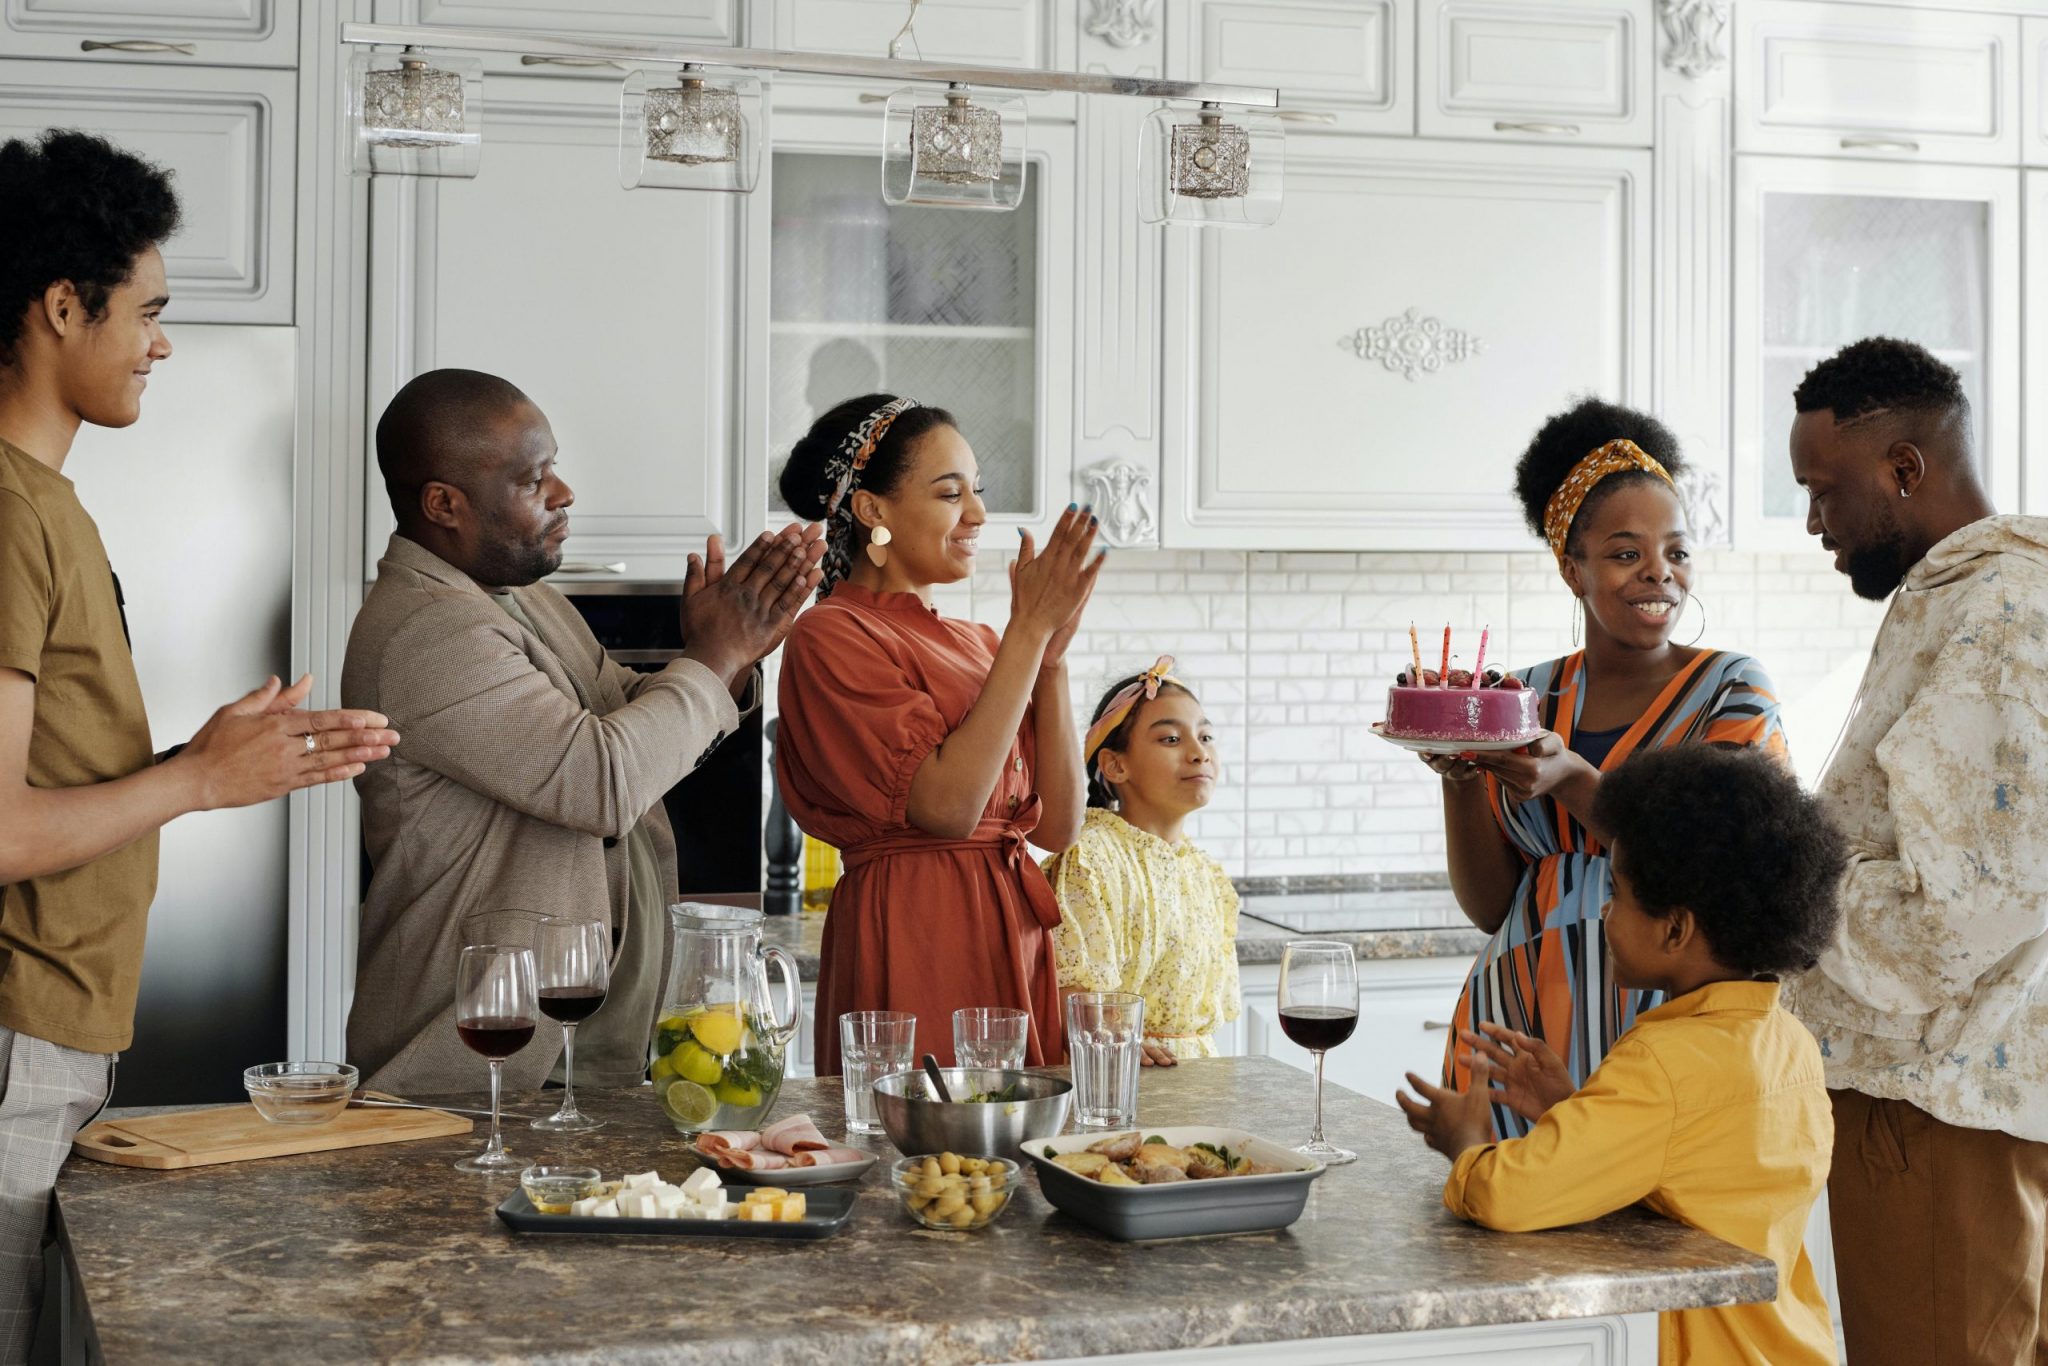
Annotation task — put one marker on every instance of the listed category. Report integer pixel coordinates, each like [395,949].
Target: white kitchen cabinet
[1823,79]
[174,32]
[1404,1010]
[2034,92]
[676,21]
[846,295]
[1828,252]
[227,134]
[1363,374]
[1354,59]
[2034,474]
[613,309]
[1520,71]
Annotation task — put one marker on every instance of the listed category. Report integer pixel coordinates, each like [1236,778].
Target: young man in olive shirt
[81,796]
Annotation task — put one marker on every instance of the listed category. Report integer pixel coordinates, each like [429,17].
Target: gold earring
[878,546]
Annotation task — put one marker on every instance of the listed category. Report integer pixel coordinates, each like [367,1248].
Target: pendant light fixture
[682,130]
[953,150]
[1203,168]
[409,114]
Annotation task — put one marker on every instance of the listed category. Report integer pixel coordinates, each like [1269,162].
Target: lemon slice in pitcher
[719,1031]
[688,1103]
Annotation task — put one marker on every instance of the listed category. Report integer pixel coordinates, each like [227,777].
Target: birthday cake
[1484,710]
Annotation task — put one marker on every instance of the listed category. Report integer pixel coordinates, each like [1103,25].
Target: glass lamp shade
[948,149]
[679,130]
[414,114]
[1211,167]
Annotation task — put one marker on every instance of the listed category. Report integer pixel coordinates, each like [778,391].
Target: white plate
[790,1176]
[1450,746]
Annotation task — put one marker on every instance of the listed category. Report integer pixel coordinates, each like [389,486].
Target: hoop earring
[878,547]
[1694,599]
[1578,615]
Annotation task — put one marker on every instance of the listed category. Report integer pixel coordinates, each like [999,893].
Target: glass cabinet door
[939,304]
[1830,252]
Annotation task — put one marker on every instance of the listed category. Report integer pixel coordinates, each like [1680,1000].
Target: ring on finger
[312,743]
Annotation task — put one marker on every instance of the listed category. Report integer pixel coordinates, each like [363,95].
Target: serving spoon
[931,1069]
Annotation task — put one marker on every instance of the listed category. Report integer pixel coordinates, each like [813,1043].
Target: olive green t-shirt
[71,942]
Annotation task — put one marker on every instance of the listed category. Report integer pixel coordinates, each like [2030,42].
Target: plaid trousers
[47,1094]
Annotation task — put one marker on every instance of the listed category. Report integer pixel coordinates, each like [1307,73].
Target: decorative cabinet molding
[1576,73]
[612,309]
[1703,493]
[1352,58]
[1121,494]
[2034,91]
[1278,439]
[227,134]
[1123,23]
[172,32]
[1871,81]
[1694,35]
[1408,345]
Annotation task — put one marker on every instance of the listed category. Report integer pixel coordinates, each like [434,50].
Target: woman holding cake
[1526,854]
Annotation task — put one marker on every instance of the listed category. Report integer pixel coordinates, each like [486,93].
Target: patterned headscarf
[845,468]
[1613,458]
[1145,685]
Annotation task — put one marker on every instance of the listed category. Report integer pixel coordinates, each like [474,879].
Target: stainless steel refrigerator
[194,503]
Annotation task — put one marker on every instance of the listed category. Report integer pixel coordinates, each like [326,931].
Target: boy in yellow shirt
[1712,1110]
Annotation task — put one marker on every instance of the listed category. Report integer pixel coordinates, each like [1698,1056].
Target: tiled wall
[1292,654]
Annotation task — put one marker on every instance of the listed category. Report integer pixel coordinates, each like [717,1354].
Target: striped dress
[1545,971]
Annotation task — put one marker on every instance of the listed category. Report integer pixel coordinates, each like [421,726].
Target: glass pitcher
[716,1058]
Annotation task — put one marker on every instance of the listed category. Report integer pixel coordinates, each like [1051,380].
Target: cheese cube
[585,1207]
[757,1213]
[701,1180]
[606,1209]
[767,1195]
[640,1180]
[707,1209]
[790,1210]
[671,1203]
[635,1204]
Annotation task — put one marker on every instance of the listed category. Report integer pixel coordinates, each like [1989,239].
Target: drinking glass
[1318,1010]
[1105,1042]
[496,1012]
[872,1044]
[989,1036]
[573,960]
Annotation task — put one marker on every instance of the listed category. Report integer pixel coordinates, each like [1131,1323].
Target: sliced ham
[752,1160]
[826,1157]
[793,1135]
[712,1144]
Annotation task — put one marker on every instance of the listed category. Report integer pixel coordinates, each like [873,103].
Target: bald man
[1931,1007]
[535,766]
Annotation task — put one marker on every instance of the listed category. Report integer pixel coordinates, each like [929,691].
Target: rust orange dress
[871,683]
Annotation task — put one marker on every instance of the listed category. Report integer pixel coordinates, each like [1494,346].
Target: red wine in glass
[570,1005]
[497,1037]
[1312,1027]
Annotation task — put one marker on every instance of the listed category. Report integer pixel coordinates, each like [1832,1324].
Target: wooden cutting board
[236,1133]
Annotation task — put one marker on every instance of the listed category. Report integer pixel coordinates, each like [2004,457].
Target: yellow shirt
[1711,1111]
[1139,914]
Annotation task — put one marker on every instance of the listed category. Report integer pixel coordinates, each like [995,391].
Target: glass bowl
[956,1201]
[553,1189]
[299,1092]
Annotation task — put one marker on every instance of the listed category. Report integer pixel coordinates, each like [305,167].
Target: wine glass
[573,959]
[1318,1010]
[495,1013]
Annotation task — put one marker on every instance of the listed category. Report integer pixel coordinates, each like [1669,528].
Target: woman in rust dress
[927,749]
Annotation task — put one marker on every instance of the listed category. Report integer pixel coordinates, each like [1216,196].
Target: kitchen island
[387,1254]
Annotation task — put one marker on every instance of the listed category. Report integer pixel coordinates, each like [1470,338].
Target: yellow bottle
[821,874]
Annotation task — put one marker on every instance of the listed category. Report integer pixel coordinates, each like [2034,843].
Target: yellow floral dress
[1139,914]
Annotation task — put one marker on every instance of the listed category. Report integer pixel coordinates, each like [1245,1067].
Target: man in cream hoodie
[1931,1008]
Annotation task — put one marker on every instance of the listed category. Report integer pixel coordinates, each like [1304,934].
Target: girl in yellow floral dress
[1142,908]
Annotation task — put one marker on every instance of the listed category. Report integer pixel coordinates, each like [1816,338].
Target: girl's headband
[1145,685]
[1613,458]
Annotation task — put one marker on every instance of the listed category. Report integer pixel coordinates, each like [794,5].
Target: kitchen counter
[1258,941]
[387,1254]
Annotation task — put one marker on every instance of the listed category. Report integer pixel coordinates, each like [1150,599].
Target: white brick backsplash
[1292,653]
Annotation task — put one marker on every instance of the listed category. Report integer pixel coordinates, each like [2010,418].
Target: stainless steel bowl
[918,1124]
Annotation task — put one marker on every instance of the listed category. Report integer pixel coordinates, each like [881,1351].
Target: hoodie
[1933,992]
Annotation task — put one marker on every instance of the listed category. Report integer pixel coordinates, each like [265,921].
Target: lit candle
[1415,648]
[1479,664]
[1443,675]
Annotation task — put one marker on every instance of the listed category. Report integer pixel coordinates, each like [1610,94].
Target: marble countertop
[1258,941]
[388,1254]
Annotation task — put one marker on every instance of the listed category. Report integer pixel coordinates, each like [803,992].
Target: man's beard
[512,564]
[1878,568]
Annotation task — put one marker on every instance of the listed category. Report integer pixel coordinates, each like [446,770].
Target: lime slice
[688,1104]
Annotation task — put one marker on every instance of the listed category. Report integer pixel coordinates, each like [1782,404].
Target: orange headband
[1146,685]
[1613,458]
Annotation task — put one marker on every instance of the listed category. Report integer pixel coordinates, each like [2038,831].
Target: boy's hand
[1527,1075]
[1449,1121]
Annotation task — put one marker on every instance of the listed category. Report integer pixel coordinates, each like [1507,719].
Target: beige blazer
[523,762]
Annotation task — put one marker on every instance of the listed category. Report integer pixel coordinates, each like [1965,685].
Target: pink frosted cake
[1498,709]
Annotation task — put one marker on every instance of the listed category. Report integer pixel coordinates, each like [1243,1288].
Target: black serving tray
[825,1213]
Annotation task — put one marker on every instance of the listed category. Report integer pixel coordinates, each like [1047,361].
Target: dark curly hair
[1729,835]
[1882,374]
[804,484]
[1570,437]
[1100,793]
[78,208]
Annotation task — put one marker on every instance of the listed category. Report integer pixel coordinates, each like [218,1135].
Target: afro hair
[78,209]
[1880,374]
[1576,433]
[1729,835]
